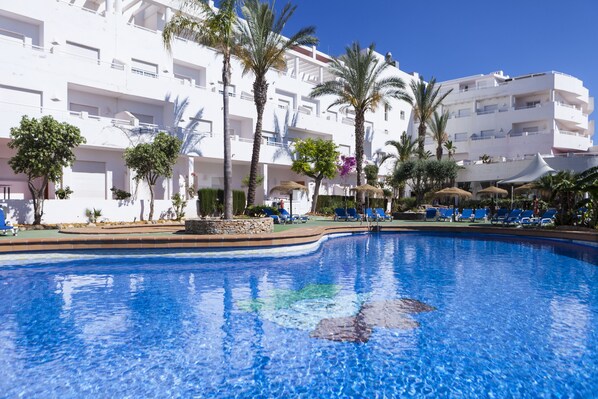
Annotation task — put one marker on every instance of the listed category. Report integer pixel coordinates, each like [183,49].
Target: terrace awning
[536,169]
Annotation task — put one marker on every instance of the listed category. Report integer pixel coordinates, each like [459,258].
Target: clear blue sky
[455,38]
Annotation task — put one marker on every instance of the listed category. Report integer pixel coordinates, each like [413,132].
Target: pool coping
[298,236]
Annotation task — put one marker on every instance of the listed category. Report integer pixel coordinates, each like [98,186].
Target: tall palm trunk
[439,151]
[359,140]
[260,96]
[228,167]
[421,139]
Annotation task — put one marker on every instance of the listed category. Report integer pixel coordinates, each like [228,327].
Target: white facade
[511,118]
[101,66]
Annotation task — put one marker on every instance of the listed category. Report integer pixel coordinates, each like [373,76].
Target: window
[91,110]
[82,51]
[148,119]
[532,104]
[144,68]
[402,115]
[283,104]
[232,89]
[386,112]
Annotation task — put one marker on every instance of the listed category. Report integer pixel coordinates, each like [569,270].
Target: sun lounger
[466,215]
[340,214]
[6,226]
[513,217]
[446,214]
[432,214]
[370,215]
[277,219]
[380,212]
[480,215]
[296,218]
[499,216]
[546,219]
[352,212]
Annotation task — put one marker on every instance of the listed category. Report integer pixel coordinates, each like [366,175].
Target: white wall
[73,210]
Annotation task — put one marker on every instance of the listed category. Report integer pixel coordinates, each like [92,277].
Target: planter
[234,226]
[409,216]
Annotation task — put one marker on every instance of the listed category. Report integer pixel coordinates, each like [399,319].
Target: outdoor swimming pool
[363,316]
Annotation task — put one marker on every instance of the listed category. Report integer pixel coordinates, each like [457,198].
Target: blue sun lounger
[352,213]
[380,212]
[499,216]
[466,215]
[480,215]
[431,214]
[340,214]
[6,226]
[293,218]
[546,219]
[513,217]
[370,215]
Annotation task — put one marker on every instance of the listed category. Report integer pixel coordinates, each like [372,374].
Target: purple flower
[347,165]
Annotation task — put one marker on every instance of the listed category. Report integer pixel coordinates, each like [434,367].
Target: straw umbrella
[287,188]
[453,192]
[493,190]
[525,188]
[368,189]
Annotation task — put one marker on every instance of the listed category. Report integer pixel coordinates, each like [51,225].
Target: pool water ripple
[504,319]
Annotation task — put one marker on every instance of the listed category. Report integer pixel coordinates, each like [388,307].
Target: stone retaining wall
[235,226]
[409,216]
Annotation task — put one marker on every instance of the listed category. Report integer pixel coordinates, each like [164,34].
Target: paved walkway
[172,235]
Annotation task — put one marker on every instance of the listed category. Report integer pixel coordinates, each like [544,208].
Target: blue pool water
[501,319]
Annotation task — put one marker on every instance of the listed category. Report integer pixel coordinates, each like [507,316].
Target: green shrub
[258,210]
[404,204]
[211,201]
[239,202]
[64,193]
[119,194]
[179,204]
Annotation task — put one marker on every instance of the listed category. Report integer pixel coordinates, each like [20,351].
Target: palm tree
[359,84]
[405,149]
[438,127]
[587,182]
[218,29]
[450,148]
[262,47]
[426,100]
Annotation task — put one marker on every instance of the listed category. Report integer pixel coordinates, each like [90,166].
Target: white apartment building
[512,119]
[101,66]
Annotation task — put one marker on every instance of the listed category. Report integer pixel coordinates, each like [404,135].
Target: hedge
[211,201]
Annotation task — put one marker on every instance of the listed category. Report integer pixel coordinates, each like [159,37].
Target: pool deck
[171,236]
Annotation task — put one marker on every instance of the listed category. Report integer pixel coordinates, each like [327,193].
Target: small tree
[44,147]
[315,159]
[425,175]
[371,174]
[153,160]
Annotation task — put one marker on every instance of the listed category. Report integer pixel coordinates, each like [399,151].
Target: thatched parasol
[368,189]
[287,188]
[453,192]
[525,187]
[494,190]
